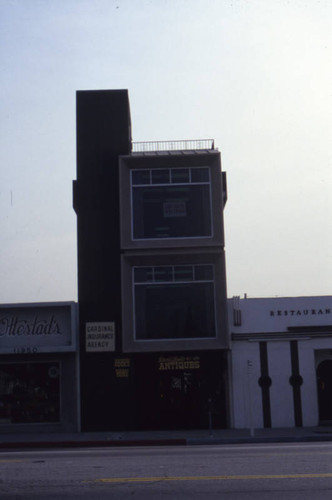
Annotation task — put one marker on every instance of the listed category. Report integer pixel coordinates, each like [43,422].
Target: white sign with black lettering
[100,337]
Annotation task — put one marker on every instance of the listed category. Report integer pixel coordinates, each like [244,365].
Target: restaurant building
[281,361]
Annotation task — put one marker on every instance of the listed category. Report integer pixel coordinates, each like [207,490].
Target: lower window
[174,302]
[29,392]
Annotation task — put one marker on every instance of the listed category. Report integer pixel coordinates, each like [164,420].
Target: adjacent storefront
[281,361]
[38,367]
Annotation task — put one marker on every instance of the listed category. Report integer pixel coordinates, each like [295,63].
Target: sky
[256,76]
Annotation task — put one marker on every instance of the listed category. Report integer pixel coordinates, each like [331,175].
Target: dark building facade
[151,275]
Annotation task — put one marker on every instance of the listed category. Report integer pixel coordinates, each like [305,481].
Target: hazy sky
[255,75]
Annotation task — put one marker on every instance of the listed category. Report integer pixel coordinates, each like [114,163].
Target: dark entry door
[324,381]
[181,402]
[181,391]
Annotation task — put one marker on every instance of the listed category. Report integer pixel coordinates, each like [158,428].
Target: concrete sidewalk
[164,438]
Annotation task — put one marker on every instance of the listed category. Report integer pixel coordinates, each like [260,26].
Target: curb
[161,442]
[258,440]
[92,444]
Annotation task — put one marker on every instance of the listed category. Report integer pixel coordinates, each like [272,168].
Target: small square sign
[100,336]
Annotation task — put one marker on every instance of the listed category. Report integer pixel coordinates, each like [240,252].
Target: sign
[36,328]
[250,365]
[268,315]
[175,209]
[100,337]
[122,366]
[179,363]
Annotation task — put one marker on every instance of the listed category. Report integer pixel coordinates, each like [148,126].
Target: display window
[174,302]
[171,203]
[29,392]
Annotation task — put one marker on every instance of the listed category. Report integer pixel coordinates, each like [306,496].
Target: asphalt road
[236,472]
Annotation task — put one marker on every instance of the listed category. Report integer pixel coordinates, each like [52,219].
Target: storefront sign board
[36,328]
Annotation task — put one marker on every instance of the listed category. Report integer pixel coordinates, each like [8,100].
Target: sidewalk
[164,438]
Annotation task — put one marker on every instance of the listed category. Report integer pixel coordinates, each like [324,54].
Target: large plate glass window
[171,203]
[29,392]
[174,302]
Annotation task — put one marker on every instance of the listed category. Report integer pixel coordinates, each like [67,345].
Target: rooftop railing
[151,146]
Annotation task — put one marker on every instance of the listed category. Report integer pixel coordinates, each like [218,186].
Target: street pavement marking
[4,461]
[208,478]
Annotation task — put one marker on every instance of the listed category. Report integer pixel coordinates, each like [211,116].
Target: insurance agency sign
[34,328]
[100,336]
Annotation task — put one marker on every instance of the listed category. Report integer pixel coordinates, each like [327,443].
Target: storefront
[38,368]
[145,391]
[281,361]
[182,390]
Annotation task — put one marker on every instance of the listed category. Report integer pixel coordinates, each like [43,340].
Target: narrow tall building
[151,275]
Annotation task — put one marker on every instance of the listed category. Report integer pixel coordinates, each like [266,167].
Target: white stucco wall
[281,392]
[247,400]
[309,387]
[257,318]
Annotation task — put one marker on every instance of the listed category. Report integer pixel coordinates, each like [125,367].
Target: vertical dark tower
[103,133]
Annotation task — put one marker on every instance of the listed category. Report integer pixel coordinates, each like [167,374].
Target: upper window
[174,302]
[171,203]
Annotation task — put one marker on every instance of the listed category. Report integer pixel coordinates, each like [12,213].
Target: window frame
[171,171]
[170,282]
[166,161]
[173,258]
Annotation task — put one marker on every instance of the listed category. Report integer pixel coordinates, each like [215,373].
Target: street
[291,471]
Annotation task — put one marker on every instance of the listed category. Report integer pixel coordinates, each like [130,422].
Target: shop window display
[29,392]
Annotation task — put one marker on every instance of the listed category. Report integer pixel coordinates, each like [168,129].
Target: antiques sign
[179,363]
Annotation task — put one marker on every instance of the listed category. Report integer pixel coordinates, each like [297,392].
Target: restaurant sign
[280,314]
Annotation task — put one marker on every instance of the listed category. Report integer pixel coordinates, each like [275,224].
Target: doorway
[181,390]
[324,384]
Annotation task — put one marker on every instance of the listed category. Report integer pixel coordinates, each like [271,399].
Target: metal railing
[151,146]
